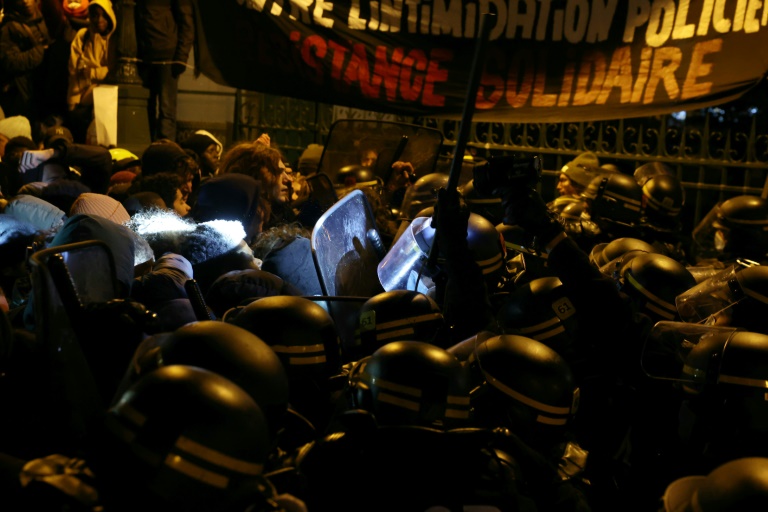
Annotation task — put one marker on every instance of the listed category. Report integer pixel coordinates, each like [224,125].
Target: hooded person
[213,248]
[128,250]
[207,148]
[231,197]
[23,40]
[90,57]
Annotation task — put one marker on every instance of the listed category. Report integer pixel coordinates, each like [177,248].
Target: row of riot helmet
[665,293]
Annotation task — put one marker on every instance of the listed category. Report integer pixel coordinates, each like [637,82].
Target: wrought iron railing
[716,153]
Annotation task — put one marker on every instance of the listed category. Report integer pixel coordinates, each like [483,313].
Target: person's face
[564,186]
[368,158]
[283,191]
[210,158]
[180,205]
[98,19]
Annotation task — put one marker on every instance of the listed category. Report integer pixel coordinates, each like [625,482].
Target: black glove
[177,69]
[530,212]
[450,221]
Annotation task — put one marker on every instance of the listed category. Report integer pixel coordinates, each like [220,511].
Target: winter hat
[230,197]
[63,192]
[33,189]
[143,201]
[310,158]
[161,157]
[101,205]
[55,134]
[199,142]
[122,177]
[16,126]
[37,212]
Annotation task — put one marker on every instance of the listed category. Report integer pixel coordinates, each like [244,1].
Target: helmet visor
[668,345]
[647,171]
[614,268]
[709,236]
[708,301]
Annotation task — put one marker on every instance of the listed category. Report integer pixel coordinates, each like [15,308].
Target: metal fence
[716,153]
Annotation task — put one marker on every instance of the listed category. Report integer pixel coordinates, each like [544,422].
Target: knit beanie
[310,158]
[101,205]
[16,126]
[161,157]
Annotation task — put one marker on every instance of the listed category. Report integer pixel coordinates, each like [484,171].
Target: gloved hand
[530,212]
[177,68]
[450,220]
[32,159]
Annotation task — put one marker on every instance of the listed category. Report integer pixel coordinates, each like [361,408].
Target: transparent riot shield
[64,280]
[377,144]
[347,248]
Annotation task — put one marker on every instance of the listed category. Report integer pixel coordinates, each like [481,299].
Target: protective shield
[406,265]
[667,351]
[64,279]
[710,299]
[347,248]
[377,145]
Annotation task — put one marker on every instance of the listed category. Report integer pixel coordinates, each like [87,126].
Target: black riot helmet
[422,194]
[654,281]
[394,316]
[740,484]
[541,309]
[355,176]
[183,438]
[606,252]
[411,383]
[485,244]
[405,265]
[614,198]
[225,349]
[663,200]
[736,228]
[299,330]
[489,207]
[521,384]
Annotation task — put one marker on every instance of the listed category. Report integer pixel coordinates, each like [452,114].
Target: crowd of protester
[166,341]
